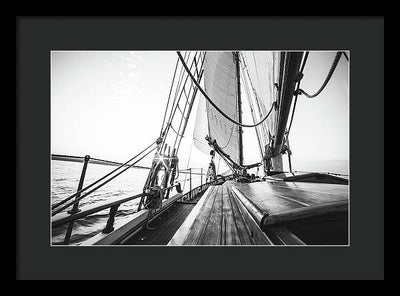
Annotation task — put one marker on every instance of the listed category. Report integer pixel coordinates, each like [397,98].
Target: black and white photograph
[216,148]
[227,148]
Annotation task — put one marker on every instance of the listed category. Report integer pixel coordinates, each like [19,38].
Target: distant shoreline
[72,158]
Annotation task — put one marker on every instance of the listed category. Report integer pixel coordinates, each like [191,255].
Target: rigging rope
[179,80]
[177,96]
[232,127]
[187,104]
[178,134]
[297,90]
[187,165]
[173,106]
[328,77]
[102,178]
[247,90]
[169,97]
[214,105]
[263,128]
[192,87]
[180,123]
[180,110]
[97,187]
[255,67]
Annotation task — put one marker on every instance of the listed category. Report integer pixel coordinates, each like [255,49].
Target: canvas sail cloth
[220,84]
[262,71]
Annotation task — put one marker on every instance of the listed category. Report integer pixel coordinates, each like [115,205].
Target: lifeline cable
[102,178]
[97,187]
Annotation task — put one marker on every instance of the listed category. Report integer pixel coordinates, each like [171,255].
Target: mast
[239,103]
[289,69]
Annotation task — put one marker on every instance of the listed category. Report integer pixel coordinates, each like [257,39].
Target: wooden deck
[261,213]
[219,219]
[161,230]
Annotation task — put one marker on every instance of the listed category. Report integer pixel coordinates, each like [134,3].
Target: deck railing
[69,217]
[195,192]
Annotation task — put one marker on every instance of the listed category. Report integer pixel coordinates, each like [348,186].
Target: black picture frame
[363,37]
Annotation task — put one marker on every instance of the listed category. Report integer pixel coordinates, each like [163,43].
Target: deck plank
[237,213]
[243,233]
[219,221]
[230,233]
[212,234]
[165,227]
[201,220]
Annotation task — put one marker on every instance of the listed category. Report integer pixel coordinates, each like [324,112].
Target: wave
[100,215]
[64,182]
[85,228]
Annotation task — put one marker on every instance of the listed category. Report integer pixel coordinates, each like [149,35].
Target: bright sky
[110,105]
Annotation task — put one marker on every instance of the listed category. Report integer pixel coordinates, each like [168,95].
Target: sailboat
[251,203]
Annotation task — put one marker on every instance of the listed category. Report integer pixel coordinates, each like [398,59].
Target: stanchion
[75,208]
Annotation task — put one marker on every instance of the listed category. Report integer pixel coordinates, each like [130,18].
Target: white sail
[201,127]
[220,84]
[259,83]
[262,68]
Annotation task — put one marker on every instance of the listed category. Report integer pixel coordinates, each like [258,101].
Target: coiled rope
[214,105]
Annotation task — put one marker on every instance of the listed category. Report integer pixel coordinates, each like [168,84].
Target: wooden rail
[113,204]
[92,160]
[126,229]
[64,218]
[140,218]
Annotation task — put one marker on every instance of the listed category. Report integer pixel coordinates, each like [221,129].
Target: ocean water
[65,177]
[332,166]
